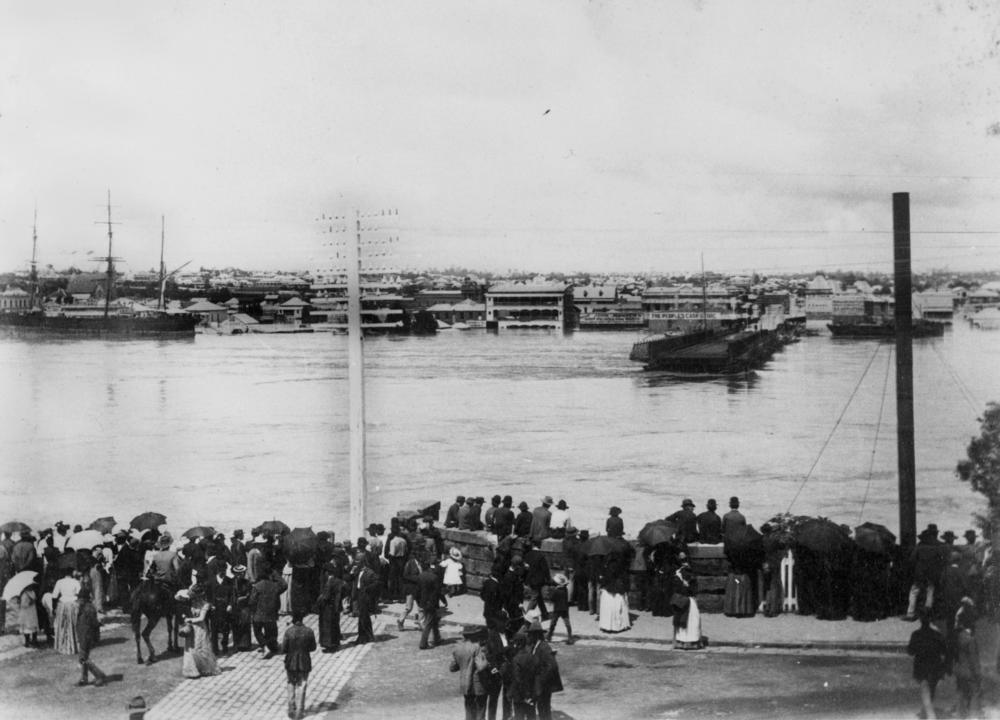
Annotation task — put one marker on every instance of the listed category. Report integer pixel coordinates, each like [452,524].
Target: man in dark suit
[220,595]
[451,517]
[365,589]
[503,518]
[430,594]
[686,521]
[298,643]
[537,577]
[733,520]
[265,602]
[522,523]
[492,597]
[547,678]
[710,524]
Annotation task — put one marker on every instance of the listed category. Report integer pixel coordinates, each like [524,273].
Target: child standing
[560,607]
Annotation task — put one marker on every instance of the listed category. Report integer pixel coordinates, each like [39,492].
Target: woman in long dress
[65,592]
[687,617]
[199,659]
[613,613]
[329,606]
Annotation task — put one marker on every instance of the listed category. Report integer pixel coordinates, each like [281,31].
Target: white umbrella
[85,540]
[16,584]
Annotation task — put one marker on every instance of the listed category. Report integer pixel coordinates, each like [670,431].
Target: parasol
[275,527]
[874,538]
[656,532]
[821,536]
[744,546]
[148,521]
[85,540]
[200,531]
[300,545]
[103,525]
[606,545]
[430,507]
[14,526]
[16,585]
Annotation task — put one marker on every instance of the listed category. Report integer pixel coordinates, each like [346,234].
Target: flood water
[233,430]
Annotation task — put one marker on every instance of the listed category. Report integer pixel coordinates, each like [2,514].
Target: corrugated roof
[534,289]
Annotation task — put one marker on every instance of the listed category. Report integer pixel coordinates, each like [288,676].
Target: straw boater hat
[455,553]
[560,579]
[237,569]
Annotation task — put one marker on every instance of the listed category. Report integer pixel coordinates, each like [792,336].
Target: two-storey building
[538,305]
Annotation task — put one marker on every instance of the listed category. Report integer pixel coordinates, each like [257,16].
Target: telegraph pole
[904,370]
[357,261]
[356,379]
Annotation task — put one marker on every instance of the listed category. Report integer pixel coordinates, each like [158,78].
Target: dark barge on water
[708,352]
[919,328]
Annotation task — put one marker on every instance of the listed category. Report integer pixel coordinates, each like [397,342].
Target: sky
[557,136]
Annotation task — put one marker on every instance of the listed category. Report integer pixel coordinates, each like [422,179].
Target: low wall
[478,550]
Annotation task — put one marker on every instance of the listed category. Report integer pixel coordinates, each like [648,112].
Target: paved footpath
[250,687]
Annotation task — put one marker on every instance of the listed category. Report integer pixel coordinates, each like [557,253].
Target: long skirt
[199,659]
[286,597]
[97,588]
[329,627]
[65,628]
[738,600]
[613,615]
[688,635]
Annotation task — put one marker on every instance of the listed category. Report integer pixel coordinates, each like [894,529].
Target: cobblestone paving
[250,687]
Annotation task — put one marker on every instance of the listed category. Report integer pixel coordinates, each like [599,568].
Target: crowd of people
[233,590]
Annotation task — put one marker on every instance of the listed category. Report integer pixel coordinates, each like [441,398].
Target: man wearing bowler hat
[710,524]
[686,521]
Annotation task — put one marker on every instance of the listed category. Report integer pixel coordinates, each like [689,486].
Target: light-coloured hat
[560,579]
[239,569]
[455,553]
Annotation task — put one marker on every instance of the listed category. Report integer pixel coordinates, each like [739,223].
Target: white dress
[452,571]
[65,591]
[613,615]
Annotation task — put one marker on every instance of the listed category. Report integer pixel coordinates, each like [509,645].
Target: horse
[153,600]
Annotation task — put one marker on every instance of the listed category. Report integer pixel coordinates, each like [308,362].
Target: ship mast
[111,265]
[704,296]
[163,268]
[33,276]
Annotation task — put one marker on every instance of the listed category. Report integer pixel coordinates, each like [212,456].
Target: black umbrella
[874,538]
[821,536]
[430,507]
[148,521]
[199,531]
[14,526]
[656,532]
[606,545]
[744,546]
[275,527]
[300,545]
[103,525]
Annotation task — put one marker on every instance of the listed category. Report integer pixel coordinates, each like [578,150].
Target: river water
[233,430]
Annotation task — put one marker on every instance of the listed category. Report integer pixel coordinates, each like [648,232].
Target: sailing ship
[118,320]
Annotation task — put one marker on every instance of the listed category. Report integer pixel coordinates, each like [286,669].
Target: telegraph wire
[834,428]
[878,427]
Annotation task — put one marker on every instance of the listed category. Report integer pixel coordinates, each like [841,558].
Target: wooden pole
[904,370]
[355,368]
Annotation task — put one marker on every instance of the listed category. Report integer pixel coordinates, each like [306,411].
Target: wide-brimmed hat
[239,569]
[562,505]
[455,553]
[547,500]
[474,631]
[560,579]
[688,502]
